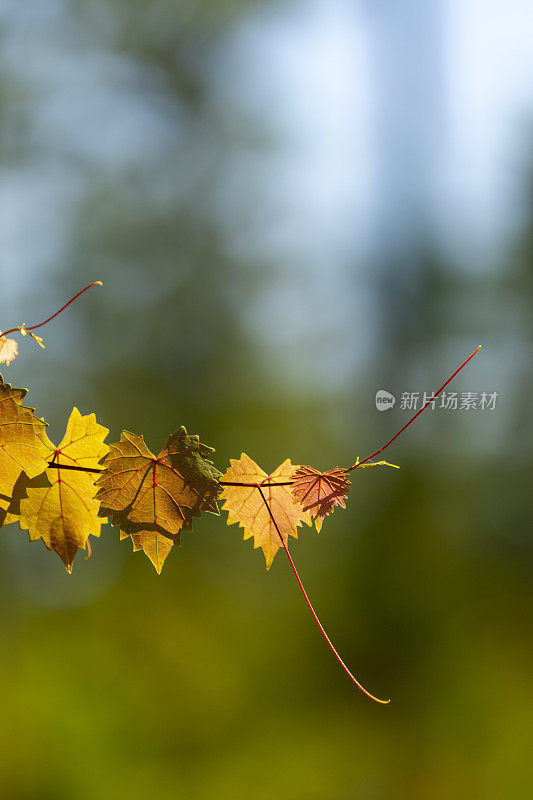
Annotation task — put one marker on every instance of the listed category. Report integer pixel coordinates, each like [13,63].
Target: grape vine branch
[161,494]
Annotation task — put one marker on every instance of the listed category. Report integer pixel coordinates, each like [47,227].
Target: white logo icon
[384,400]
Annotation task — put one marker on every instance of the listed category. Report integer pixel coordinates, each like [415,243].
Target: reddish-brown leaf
[319,492]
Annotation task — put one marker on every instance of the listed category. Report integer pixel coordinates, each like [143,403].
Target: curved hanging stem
[40,324]
[444,385]
[311,609]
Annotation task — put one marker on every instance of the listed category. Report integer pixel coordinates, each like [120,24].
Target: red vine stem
[266,482]
[444,385]
[274,483]
[311,609]
[33,327]
[55,465]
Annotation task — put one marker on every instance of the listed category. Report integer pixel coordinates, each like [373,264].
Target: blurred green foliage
[212,680]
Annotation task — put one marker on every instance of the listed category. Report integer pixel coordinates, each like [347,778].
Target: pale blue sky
[304,72]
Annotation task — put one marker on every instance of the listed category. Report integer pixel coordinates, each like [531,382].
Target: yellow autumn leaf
[155,543]
[60,506]
[24,447]
[246,506]
[154,499]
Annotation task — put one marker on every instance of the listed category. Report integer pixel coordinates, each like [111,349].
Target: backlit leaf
[60,507]
[319,492]
[246,507]
[24,446]
[154,499]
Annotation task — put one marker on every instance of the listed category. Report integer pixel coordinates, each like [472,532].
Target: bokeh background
[291,205]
